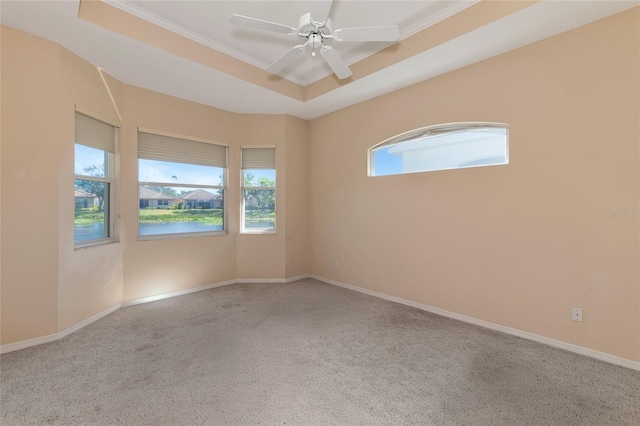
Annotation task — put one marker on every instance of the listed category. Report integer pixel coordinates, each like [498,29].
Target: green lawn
[260,216]
[208,216]
[88,216]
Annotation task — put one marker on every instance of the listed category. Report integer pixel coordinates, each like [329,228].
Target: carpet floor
[304,353]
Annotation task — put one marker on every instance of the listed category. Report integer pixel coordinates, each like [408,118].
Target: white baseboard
[271,280]
[16,346]
[96,317]
[261,280]
[634,365]
[297,278]
[157,297]
[602,356]
[10,347]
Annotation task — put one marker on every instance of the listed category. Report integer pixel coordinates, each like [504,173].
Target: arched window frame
[439,130]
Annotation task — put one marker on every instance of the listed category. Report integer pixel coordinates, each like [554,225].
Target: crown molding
[446,12]
[441,15]
[134,10]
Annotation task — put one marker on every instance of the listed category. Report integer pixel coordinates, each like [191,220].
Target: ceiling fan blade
[391,33]
[322,13]
[287,58]
[260,24]
[335,62]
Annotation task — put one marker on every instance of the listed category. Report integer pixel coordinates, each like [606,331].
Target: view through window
[441,147]
[181,186]
[93,163]
[258,189]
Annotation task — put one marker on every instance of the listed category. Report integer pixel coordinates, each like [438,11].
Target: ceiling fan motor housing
[307,26]
[315,41]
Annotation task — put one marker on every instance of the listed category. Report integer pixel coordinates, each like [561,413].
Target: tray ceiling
[188,49]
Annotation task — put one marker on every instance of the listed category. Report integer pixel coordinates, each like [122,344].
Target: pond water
[176,227]
[95,231]
[91,231]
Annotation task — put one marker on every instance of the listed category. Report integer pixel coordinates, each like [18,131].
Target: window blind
[258,158]
[95,133]
[177,150]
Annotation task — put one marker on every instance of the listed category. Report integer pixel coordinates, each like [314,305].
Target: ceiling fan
[316,30]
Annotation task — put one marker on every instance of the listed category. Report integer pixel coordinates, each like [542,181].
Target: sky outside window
[168,172]
[259,174]
[387,164]
[86,157]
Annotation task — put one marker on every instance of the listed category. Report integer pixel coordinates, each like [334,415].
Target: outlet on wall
[335,264]
[576,314]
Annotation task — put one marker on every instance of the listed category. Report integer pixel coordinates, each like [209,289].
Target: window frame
[223,187]
[440,129]
[109,179]
[243,188]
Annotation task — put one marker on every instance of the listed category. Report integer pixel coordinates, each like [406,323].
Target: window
[181,186]
[258,179]
[94,150]
[441,147]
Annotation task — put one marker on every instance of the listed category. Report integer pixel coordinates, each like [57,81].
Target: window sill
[183,235]
[258,232]
[93,243]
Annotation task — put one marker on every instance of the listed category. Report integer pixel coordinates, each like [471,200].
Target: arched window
[441,147]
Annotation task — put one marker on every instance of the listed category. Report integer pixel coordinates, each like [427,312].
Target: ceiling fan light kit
[316,33]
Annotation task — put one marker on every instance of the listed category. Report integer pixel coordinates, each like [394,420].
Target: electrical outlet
[576,314]
[335,264]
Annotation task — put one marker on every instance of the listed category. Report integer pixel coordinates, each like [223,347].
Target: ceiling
[208,22]
[188,49]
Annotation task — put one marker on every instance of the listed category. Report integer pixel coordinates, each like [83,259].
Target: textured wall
[518,245]
[30,154]
[298,198]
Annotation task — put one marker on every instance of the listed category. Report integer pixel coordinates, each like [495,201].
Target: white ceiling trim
[483,43]
[134,10]
[445,13]
[126,6]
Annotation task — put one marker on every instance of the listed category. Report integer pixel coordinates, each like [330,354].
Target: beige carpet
[305,353]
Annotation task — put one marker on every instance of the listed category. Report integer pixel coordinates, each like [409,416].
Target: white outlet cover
[576,314]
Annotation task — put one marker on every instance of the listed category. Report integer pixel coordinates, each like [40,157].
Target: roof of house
[199,194]
[79,193]
[150,194]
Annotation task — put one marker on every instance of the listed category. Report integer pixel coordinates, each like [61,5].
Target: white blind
[95,133]
[258,158]
[167,148]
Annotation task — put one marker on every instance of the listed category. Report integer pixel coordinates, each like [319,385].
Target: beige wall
[262,256]
[162,266]
[47,286]
[298,208]
[517,245]
[31,153]
[91,280]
